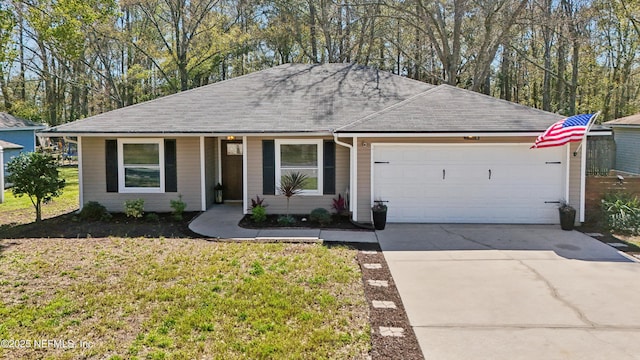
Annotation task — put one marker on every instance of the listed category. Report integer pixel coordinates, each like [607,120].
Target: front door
[232,169]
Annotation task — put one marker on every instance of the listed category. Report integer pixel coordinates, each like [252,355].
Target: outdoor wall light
[471,137]
[231,137]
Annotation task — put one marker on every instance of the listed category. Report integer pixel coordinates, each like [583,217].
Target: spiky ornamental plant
[292,184]
[36,175]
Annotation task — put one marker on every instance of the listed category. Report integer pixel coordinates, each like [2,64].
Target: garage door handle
[443,173]
[489,174]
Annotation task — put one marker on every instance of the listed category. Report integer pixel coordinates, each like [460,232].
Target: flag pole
[584,137]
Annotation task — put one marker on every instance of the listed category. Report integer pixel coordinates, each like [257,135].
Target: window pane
[312,177]
[234,149]
[142,177]
[298,155]
[141,154]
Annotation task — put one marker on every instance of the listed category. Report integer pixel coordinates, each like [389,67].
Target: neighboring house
[626,132]
[435,153]
[6,149]
[20,133]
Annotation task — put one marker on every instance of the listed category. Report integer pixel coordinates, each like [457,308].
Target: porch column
[245,200]
[203,185]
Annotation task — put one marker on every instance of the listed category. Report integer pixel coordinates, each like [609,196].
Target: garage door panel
[484,184]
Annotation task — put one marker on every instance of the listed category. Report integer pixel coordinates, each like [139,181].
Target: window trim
[320,163]
[122,188]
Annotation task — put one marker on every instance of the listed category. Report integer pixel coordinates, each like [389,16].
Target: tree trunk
[312,32]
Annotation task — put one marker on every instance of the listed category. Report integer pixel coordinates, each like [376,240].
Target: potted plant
[379,211]
[567,216]
[217,193]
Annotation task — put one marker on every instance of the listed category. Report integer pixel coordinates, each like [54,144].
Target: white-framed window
[303,156]
[141,165]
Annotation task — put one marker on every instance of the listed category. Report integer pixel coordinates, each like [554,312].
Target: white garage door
[469,183]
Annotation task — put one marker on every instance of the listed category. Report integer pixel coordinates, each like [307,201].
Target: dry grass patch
[181,298]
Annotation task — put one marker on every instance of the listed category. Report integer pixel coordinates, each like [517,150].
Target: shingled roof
[286,98]
[632,120]
[317,99]
[5,145]
[10,122]
[451,109]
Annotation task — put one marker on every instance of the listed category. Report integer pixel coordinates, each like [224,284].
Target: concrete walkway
[514,292]
[221,221]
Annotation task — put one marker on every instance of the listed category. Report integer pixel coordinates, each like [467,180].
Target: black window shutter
[170,166]
[329,171]
[111,160]
[268,167]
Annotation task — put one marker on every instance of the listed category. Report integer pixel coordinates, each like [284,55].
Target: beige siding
[364,200]
[188,167]
[574,178]
[300,204]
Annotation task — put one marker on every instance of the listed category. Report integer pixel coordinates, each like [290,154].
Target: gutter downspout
[352,170]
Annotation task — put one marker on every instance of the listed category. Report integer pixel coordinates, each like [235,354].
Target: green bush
[178,207]
[258,214]
[94,211]
[320,216]
[286,220]
[152,217]
[134,208]
[622,213]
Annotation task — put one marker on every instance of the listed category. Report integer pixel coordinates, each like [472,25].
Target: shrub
[320,216]
[178,207]
[134,208]
[339,205]
[94,211]
[258,202]
[152,217]
[259,214]
[286,220]
[622,213]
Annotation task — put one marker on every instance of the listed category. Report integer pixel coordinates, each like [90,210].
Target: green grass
[20,210]
[183,299]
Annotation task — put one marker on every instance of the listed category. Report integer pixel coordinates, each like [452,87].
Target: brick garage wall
[598,186]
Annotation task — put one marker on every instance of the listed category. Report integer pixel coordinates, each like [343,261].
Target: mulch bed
[68,226]
[387,347]
[302,221]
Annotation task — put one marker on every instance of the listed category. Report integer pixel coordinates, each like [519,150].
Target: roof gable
[10,122]
[632,120]
[9,145]
[286,98]
[451,109]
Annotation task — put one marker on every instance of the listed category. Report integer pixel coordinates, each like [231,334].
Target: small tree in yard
[291,184]
[36,175]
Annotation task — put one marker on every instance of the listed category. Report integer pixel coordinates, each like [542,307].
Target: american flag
[564,131]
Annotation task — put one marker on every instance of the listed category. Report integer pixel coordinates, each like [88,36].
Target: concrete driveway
[514,292]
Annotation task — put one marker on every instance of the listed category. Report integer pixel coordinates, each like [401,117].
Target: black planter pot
[567,218]
[379,219]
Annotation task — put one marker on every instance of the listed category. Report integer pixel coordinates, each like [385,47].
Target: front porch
[221,221]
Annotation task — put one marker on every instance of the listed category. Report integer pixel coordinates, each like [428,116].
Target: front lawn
[19,210]
[161,298]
